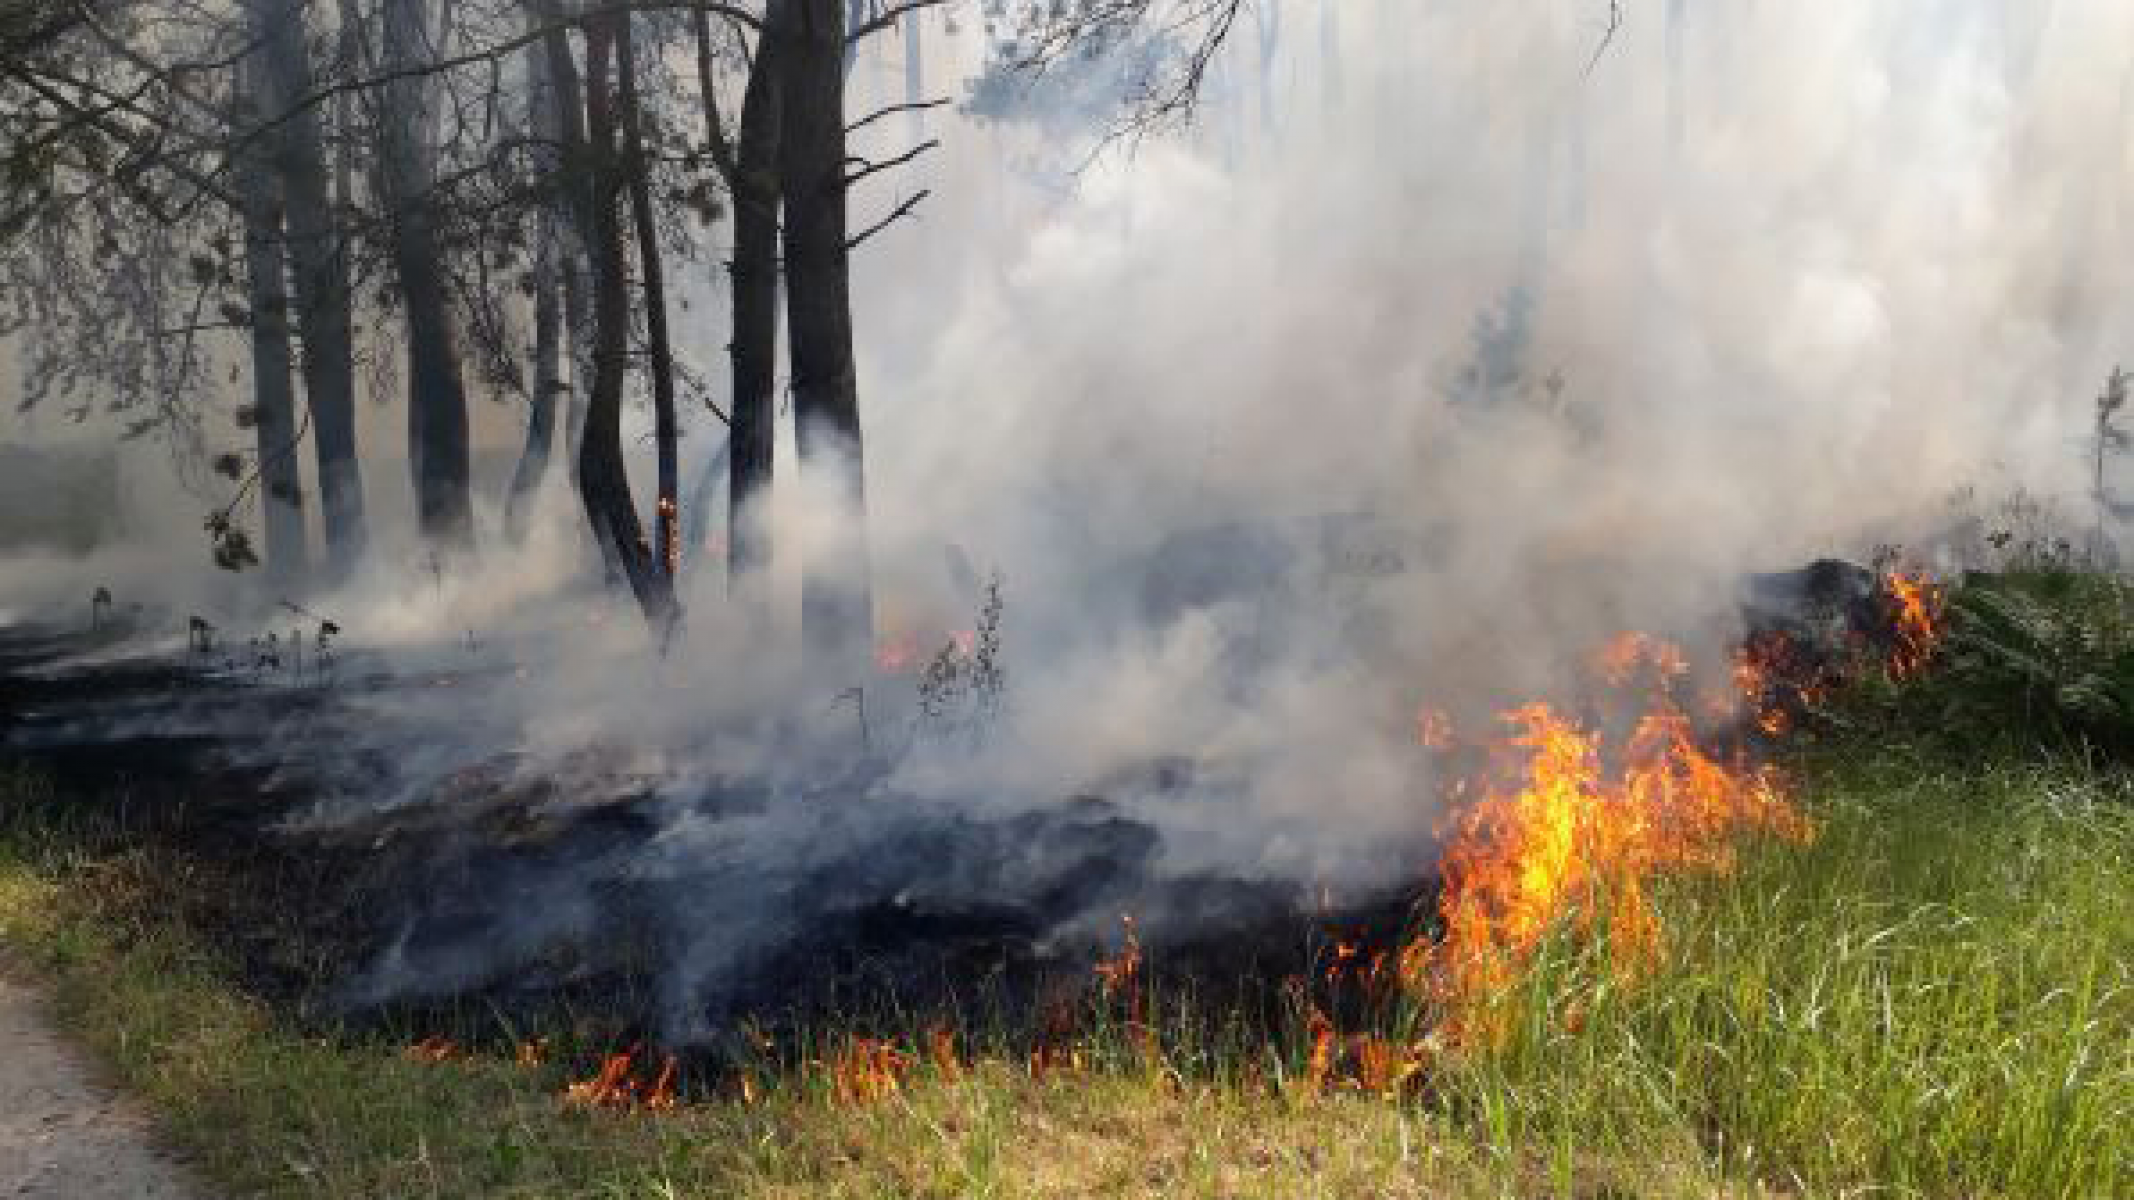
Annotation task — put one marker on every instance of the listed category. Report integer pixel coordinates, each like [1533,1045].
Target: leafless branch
[867,168]
[1615,25]
[901,211]
[893,109]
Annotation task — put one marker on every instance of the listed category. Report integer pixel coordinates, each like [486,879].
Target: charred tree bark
[836,607]
[532,466]
[273,391]
[667,512]
[437,398]
[314,247]
[603,476]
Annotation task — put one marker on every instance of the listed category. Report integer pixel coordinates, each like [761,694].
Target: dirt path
[63,1134]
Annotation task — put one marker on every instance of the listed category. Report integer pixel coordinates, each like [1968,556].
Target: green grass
[1935,998]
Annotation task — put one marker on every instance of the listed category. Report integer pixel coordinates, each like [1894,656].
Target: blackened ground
[567,897]
[442,882]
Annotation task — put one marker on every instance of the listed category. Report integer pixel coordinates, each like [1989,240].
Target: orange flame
[615,1087]
[867,1069]
[1365,1062]
[1920,603]
[1575,839]
[1619,660]
[1770,673]
[1117,972]
[1319,1069]
[1118,976]
[612,1087]
[435,1048]
[941,1049]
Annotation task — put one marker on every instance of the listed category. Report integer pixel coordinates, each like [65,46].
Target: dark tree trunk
[349,49]
[754,350]
[666,508]
[321,276]
[273,392]
[578,344]
[437,399]
[573,202]
[836,606]
[548,317]
[603,476]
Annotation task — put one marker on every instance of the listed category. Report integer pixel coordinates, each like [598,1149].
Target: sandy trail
[63,1133]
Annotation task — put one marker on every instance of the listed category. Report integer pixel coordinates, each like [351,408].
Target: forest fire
[1763,669]
[1369,1063]
[867,1069]
[1919,604]
[1579,836]
[616,1086]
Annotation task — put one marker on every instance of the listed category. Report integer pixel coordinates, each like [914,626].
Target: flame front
[1578,836]
[1919,603]
[867,1069]
[614,1086]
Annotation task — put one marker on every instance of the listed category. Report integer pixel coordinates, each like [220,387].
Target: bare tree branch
[867,168]
[901,211]
[893,109]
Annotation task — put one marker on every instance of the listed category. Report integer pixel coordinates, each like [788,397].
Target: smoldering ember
[1132,597]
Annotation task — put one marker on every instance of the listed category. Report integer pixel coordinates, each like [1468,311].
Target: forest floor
[64,1133]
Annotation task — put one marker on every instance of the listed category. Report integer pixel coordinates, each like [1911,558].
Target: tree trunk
[574,205]
[321,276]
[754,350]
[437,399]
[573,208]
[349,49]
[603,476]
[667,544]
[548,317]
[836,606]
[578,343]
[273,392]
